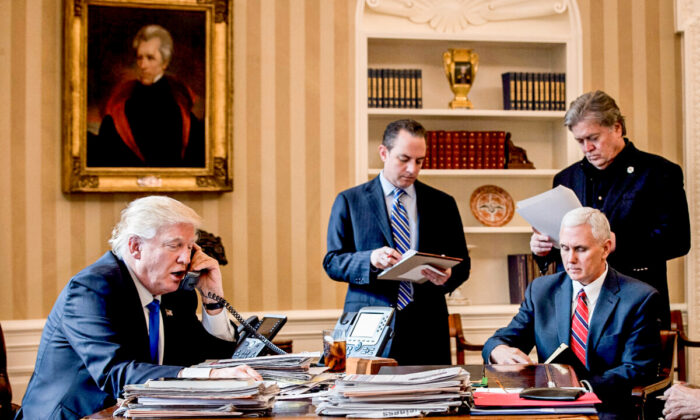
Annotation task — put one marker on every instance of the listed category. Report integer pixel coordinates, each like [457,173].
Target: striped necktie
[579,327]
[402,242]
[153,327]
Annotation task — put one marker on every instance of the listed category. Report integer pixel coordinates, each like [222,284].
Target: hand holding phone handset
[191,281]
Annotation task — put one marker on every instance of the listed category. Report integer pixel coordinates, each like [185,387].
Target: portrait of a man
[148,116]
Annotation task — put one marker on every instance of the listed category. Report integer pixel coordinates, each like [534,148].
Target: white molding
[687,21]
[454,17]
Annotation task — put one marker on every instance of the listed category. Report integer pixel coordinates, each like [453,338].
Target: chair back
[461,343]
[683,343]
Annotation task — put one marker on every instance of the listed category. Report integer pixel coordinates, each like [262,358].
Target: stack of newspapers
[285,367]
[381,396]
[177,397]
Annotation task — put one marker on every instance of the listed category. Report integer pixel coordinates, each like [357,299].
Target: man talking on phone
[122,320]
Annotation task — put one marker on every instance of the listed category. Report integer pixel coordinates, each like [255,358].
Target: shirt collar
[592,289]
[388,188]
[144,295]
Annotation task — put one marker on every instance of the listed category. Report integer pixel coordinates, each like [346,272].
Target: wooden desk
[510,376]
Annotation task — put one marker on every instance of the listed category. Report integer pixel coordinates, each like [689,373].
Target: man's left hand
[436,278]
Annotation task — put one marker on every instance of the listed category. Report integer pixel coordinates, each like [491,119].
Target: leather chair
[683,342]
[644,397]
[7,409]
[457,333]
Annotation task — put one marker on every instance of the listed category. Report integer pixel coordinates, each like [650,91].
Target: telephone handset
[367,331]
[256,339]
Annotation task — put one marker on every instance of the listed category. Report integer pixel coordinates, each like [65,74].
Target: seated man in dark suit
[609,320]
[123,320]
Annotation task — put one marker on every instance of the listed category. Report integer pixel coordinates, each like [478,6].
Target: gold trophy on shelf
[460,69]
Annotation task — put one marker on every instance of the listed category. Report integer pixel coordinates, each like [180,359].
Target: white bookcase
[533,36]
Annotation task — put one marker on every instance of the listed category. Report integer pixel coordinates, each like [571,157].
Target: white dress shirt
[592,290]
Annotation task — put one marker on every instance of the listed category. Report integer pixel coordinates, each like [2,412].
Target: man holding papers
[607,319]
[373,224]
[641,194]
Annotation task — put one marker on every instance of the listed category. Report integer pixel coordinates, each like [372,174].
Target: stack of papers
[284,367]
[382,396]
[178,397]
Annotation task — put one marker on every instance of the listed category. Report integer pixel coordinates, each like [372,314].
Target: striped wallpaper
[293,143]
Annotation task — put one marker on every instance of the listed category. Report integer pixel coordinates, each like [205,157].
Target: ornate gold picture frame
[147,96]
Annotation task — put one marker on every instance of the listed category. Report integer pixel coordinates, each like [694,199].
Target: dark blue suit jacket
[95,341]
[359,224]
[648,211]
[623,338]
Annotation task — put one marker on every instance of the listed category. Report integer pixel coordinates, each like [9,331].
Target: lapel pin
[168,312]
[630,169]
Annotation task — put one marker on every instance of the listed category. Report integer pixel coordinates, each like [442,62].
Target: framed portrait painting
[147,95]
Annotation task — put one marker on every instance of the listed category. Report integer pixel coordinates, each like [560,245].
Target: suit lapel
[377,204]
[604,308]
[132,305]
[562,308]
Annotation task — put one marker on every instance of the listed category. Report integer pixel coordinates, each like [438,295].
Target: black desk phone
[366,331]
[254,337]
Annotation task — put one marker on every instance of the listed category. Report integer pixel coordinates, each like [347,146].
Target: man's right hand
[384,257]
[506,355]
[540,244]
[238,372]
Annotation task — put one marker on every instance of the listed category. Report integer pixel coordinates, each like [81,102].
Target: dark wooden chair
[457,333]
[683,342]
[644,397]
[7,409]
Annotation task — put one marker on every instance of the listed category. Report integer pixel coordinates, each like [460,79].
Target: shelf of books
[528,70]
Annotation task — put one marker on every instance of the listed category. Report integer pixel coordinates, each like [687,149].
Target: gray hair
[591,217]
[149,32]
[413,127]
[144,217]
[597,106]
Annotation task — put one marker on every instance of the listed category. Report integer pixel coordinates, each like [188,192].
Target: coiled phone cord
[246,325]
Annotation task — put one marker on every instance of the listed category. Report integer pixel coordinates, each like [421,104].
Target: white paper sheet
[545,211]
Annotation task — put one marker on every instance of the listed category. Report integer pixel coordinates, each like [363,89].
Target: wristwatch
[212,306]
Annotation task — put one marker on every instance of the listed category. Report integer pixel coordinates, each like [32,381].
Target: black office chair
[7,409]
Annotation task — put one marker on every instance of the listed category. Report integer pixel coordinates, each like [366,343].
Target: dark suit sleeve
[187,342]
[519,333]
[664,226]
[456,245]
[639,354]
[88,325]
[343,262]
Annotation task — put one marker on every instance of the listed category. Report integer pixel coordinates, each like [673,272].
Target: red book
[453,137]
[441,150]
[471,150]
[486,150]
[500,149]
[428,141]
[463,149]
[448,150]
[479,151]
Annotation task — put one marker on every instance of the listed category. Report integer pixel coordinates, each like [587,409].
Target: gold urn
[460,68]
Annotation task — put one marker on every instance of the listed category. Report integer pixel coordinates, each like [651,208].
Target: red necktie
[579,327]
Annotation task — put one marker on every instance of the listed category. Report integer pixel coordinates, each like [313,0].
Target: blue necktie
[153,327]
[402,242]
